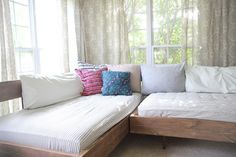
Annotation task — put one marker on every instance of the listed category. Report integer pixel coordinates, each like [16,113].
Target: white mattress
[68,126]
[220,107]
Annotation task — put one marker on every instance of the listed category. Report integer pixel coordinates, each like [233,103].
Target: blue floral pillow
[116,83]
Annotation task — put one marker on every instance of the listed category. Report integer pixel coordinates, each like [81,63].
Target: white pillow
[39,91]
[211,79]
[163,78]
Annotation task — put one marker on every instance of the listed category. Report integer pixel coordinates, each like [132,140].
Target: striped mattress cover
[67,126]
[208,106]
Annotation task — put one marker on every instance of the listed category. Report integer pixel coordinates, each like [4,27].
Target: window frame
[150,46]
[33,37]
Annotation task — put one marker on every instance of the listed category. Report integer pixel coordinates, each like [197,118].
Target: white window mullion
[149,51]
[34,36]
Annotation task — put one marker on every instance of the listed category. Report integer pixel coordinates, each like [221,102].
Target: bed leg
[163,142]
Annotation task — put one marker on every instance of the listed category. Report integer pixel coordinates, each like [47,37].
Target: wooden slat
[103,146]
[184,127]
[10,90]
[12,150]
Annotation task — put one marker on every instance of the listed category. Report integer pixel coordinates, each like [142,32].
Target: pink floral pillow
[92,80]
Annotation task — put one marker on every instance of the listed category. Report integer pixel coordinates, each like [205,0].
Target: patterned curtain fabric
[217,33]
[7,58]
[101,29]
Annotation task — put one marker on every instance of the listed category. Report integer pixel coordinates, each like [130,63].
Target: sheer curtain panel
[102,31]
[217,32]
[7,57]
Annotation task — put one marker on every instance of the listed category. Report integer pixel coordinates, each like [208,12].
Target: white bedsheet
[220,107]
[68,126]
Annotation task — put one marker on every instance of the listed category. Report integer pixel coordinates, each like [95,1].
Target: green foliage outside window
[167,31]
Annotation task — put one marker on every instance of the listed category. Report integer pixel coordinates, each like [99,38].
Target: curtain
[7,58]
[217,32]
[69,45]
[56,35]
[101,29]
[65,34]
[189,34]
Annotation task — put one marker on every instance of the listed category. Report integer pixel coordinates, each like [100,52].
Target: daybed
[199,103]
[188,115]
[203,111]
[84,126]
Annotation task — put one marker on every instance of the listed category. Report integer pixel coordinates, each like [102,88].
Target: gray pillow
[163,78]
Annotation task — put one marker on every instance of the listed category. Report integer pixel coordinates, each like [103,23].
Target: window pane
[160,5]
[160,28]
[174,4]
[160,36]
[167,22]
[23,38]
[22,15]
[138,55]
[138,38]
[12,12]
[140,6]
[24,61]
[25,2]
[136,19]
[160,55]
[159,19]
[167,55]
[174,56]
[14,34]
[175,28]
[139,21]
[17,59]
[163,5]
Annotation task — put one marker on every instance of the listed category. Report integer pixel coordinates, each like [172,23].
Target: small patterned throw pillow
[92,80]
[116,83]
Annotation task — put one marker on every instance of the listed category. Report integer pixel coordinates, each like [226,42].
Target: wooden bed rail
[184,128]
[10,90]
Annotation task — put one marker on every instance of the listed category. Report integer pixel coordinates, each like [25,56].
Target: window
[37,32]
[137,28]
[24,36]
[156,30]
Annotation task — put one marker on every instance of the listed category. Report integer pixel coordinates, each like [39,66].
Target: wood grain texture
[102,147]
[10,90]
[15,150]
[184,128]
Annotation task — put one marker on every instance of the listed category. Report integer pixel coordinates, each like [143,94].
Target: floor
[151,146]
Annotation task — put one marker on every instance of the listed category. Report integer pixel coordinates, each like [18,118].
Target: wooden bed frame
[102,147]
[184,128]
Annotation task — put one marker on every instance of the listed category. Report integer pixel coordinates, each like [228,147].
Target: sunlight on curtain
[217,32]
[189,15]
[56,39]
[7,57]
[102,31]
